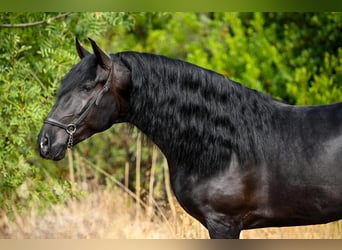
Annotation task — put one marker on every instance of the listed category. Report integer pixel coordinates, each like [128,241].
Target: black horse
[238,159]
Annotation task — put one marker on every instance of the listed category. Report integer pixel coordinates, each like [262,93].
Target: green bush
[34,57]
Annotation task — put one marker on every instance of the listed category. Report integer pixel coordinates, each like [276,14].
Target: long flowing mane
[207,115]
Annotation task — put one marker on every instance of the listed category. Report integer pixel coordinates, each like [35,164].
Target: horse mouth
[55,155]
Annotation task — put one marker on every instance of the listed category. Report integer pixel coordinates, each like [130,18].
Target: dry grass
[111,214]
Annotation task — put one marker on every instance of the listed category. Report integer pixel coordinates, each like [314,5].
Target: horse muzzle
[50,148]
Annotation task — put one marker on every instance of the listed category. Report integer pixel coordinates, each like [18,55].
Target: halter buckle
[70,128]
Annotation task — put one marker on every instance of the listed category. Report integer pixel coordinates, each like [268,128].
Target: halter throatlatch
[71,128]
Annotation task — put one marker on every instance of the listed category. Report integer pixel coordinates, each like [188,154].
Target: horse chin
[58,155]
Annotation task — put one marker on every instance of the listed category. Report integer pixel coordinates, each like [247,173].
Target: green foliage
[296,57]
[33,60]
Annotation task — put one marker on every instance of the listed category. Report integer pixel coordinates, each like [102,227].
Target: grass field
[111,214]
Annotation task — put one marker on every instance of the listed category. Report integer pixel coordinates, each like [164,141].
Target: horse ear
[102,58]
[82,52]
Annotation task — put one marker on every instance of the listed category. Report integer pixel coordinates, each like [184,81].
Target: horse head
[90,100]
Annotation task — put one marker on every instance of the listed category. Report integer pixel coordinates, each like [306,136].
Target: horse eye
[87,87]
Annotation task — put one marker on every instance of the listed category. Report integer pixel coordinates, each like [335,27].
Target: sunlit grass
[108,213]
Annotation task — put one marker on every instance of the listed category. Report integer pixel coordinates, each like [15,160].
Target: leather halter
[71,128]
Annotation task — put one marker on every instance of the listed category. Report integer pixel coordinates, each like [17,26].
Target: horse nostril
[44,145]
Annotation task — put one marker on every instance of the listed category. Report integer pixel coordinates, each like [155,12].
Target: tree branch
[24,25]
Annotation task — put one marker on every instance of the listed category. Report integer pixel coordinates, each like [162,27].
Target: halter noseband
[71,128]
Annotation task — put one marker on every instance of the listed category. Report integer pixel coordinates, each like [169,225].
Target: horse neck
[193,115]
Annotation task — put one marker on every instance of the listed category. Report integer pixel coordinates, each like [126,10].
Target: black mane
[207,115]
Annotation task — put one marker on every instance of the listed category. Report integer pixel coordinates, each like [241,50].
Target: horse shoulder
[228,201]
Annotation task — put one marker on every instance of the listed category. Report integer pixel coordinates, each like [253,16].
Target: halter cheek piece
[71,128]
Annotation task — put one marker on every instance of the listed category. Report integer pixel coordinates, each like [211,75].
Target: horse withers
[238,159]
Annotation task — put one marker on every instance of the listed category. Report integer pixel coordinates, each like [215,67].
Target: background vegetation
[295,57]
